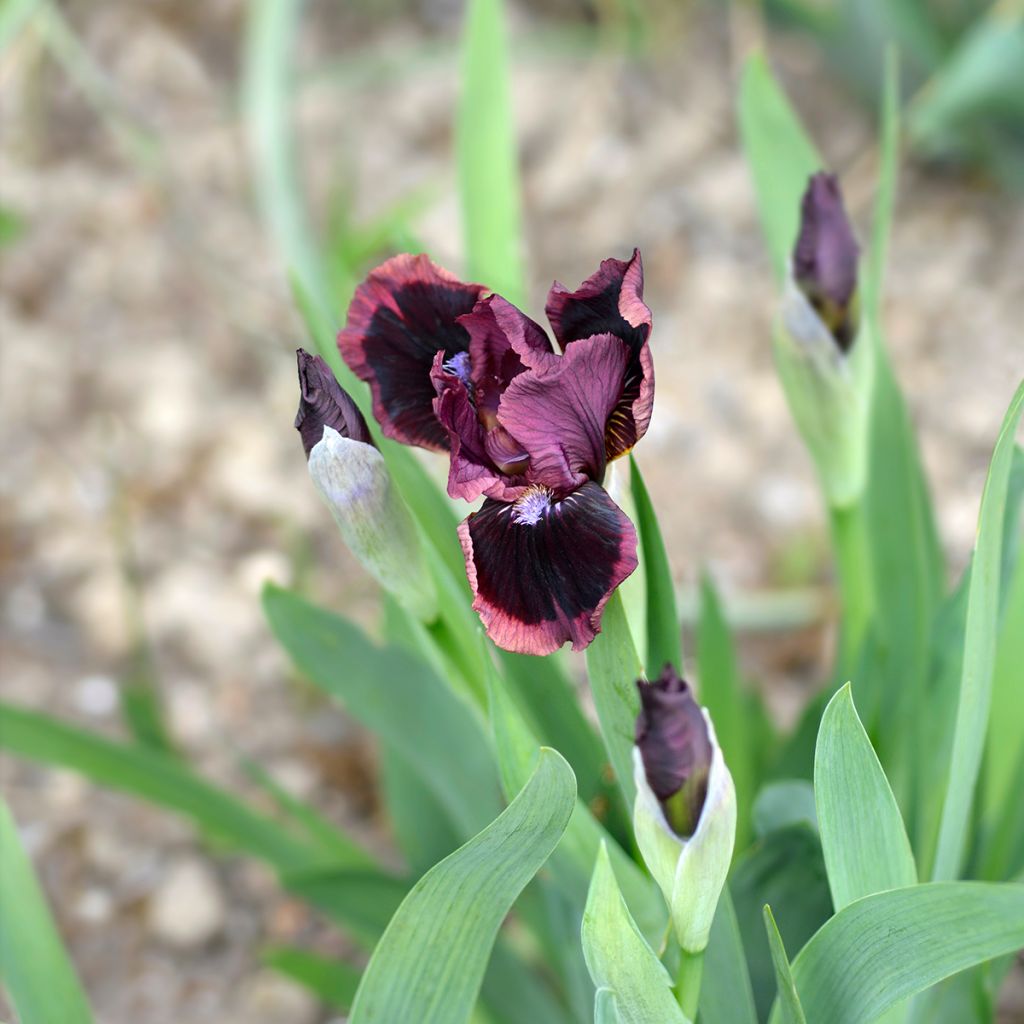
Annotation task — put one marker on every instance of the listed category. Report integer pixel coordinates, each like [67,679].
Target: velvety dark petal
[612,302]
[542,570]
[324,403]
[400,317]
[825,257]
[559,414]
[672,736]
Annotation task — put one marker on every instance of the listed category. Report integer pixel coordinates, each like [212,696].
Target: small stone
[94,906]
[267,998]
[96,696]
[187,908]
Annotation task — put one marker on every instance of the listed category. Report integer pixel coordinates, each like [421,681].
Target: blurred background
[152,479]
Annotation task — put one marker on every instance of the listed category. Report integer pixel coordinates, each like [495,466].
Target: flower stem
[691,966]
[856,583]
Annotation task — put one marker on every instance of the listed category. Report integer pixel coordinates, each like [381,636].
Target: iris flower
[528,426]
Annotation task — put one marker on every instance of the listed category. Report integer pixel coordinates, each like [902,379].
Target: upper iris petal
[400,317]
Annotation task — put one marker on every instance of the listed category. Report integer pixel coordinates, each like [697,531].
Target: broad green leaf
[333,982]
[613,668]
[1006,723]
[398,697]
[34,967]
[790,1010]
[979,651]
[725,993]
[732,709]
[488,163]
[664,629]
[625,970]
[780,154]
[883,948]
[154,777]
[268,74]
[572,861]
[862,835]
[784,869]
[430,962]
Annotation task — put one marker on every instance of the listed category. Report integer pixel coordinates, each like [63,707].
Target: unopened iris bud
[825,258]
[353,479]
[827,375]
[685,812]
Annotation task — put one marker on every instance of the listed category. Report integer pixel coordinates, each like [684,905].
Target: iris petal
[324,403]
[542,570]
[611,302]
[400,317]
[559,414]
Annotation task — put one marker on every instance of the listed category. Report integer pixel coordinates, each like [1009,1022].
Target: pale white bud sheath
[354,482]
[690,872]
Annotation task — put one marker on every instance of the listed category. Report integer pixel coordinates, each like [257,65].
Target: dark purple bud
[825,257]
[324,403]
[672,736]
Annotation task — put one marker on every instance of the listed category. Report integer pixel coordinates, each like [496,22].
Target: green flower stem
[691,967]
[856,582]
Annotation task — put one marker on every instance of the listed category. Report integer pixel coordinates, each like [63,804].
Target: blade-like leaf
[154,777]
[34,967]
[488,164]
[862,835]
[613,668]
[624,968]
[979,650]
[429,964]
[664,630]
[398,697]
[725,993]
[780,154]
[790,1010]
[883,948]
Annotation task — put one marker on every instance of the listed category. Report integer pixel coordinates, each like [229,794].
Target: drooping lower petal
[542,570]
[400,317]
[611,302]
[559,414]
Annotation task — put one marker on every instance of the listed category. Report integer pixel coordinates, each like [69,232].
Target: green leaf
[624,968]
[725,993]
[979,650]
[154,777]
[780,154]
[786,870]
[850,791]
[732,709]
[782,803]
[790,1010]
[333,982]
[488,164]
[572,861]
[268,74]
[883,948]
[398,697]
[34,967]
[664,629]
[613,668]
[430,962]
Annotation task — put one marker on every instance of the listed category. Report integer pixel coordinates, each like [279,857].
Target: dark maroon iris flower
[529,427]
[672,736]
[825,257]
[324,403]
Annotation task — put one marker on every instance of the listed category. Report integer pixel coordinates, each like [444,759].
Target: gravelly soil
[152,480]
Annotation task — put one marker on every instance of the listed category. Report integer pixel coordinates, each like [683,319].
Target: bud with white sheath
[826,368]
[352,478]
[685,812]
